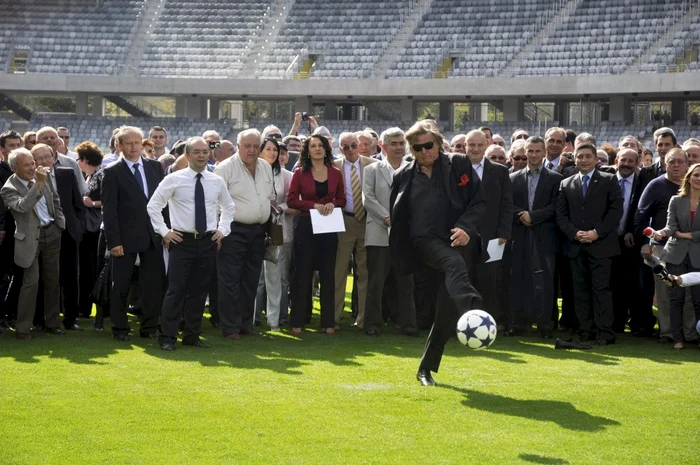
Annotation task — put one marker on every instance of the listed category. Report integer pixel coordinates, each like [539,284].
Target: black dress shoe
[425,378]
[546,333]
[37,328]
[665,340]
[214,323]
[512,332]
[73,327]
[372,332]
[642,332]
[605,342]
[197,343]
[169,346]
[121,337]
[148,335]
[23,336]
[585,336]
[55,331]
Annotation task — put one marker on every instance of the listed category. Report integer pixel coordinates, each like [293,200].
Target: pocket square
[463,180]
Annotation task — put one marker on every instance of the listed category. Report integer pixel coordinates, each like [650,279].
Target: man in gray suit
[376,189]
[39,222]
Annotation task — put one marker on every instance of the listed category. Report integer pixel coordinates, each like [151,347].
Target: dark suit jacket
[467,206]
[601,210]
[7,222]
[649,173]
[544,229]
[302,190]
[498,220]
[126,220]
[71,202]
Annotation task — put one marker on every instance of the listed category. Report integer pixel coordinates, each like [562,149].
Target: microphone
[648,231]
[660,272]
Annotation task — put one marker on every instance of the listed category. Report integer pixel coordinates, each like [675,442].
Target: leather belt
[195,235]
[46,226]
[248,226]
[348,214]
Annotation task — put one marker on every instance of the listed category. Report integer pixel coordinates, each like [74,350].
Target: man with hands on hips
[194,195]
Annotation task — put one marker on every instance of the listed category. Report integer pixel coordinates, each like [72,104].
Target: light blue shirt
[109,159]
[131,164]
[552,165]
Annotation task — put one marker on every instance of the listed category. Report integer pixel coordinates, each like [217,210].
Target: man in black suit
[494,226]
[127,186]
[64,183]
[589,209]
[627,304]
[436,205]
[535,241]
[10,272]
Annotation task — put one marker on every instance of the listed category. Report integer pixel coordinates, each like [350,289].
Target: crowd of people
[166,230]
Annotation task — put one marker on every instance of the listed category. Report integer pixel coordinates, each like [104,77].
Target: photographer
[213,139]
[300,117]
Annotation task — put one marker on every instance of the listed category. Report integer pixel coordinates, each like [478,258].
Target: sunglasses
[351,146]
[458,146]
[275,136]
[420,147]
[520,158]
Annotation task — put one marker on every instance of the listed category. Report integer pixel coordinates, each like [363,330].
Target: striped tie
[359,209]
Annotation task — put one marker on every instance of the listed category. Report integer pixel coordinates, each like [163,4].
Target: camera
[304,116]
[213,145]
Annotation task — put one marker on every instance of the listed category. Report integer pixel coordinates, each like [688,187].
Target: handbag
[102,290]
[272,253]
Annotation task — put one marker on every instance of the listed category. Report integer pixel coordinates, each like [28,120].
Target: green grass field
[275,399]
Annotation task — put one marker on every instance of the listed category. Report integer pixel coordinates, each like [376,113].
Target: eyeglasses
[458,146]
[31,141]
[519,158]
[521,136]
[420,147]
[351,146]
[150,151]
[65,137]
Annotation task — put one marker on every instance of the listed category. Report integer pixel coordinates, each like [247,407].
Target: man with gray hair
[39,222]
[376,187]
[457,144]
[49,136]
[352,242]
[368,145]
[250,184]
[127,186]
[213,139]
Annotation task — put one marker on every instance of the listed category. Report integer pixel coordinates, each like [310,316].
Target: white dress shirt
[347,167]
[479,168]
[131,164]
[41,208]
[252,195]
[177,191]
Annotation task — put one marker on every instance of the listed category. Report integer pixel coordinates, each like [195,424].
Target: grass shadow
[544,460]
[563,414]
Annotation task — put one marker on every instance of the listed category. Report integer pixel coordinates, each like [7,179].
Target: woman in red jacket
[316,184]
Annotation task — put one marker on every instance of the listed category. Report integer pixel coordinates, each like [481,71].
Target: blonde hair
[421,128]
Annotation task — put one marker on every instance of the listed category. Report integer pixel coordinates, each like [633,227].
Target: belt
[47,226]
[195,235]
[248,226]
[348,214]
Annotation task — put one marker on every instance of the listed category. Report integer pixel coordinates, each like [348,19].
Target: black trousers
[379,269]
[10,279]
[592,294]
[624,281]
[69,278]
[190,267]
[533,285]
[213,292]
[313,251]
[563,286]
[642,318]
[238,266]
[456,295]
[426,282]
[487,282]
[151,272]
[676,297]
[88,271]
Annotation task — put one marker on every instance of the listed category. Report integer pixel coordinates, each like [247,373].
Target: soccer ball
[476,329]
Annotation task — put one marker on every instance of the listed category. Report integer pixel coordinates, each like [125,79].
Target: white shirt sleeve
[157,203]
[227,209]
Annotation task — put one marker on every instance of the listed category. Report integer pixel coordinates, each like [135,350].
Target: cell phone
[214,145]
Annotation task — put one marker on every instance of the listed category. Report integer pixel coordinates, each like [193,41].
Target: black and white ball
[476,329]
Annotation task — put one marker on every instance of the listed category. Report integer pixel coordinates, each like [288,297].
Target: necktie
[137,175]
[550,166]
[584,185]
[200,212]
[623,183]
[30,184]
[359,209]
[622,187]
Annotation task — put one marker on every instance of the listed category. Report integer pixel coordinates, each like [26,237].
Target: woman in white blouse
[277,274]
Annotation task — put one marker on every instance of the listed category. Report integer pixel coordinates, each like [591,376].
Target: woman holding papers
[316,185]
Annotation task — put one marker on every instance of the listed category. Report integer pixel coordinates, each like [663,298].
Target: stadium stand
[348,42]
[80,38]
[99,129]
[203,38]
[589,42]
[687,38]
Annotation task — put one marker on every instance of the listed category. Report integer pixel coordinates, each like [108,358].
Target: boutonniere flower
[463,180]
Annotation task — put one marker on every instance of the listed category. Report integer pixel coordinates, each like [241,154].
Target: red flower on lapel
[463,180]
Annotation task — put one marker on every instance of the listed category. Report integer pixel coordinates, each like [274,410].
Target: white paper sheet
[495,251]
[327,224]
